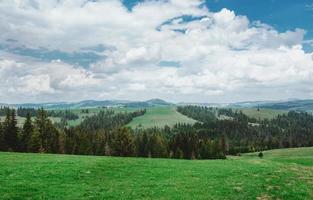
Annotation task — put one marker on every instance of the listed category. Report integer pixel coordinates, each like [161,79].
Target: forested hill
[299,105]
[93,103]
[295,104]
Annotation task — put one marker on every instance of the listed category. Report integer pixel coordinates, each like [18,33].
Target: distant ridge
[93,103]
[290,104]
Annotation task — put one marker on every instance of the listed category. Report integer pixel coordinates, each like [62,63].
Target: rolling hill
[93,104]
[293,104]
[159,117]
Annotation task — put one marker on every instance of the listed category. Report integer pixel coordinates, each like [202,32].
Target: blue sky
[178,50]
[282,14]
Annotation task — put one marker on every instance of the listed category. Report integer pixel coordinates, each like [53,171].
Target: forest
[106,133]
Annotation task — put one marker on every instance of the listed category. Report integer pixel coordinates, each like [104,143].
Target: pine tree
[47,133]
[122,142]
[26,134]
[10,131]
[35,144]
[142,144]
[158,146]
[41,127]
[2,144]
[224,144]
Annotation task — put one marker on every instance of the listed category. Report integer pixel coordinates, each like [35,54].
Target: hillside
[263,113]
[295,104]
[159,117]
[44,176]
[93,104]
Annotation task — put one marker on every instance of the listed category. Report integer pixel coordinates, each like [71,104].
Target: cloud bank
[177,50]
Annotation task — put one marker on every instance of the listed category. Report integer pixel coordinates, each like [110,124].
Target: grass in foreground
[159,117]
[43,176]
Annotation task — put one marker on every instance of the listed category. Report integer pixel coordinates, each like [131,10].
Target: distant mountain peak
[156,100]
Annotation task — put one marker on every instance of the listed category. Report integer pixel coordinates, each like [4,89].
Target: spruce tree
[41,127]
[14,131]
[10,131]
[26,134]
[122,142]
[2,145]
[6,130]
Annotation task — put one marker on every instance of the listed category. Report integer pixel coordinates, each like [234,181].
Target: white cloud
[222,56]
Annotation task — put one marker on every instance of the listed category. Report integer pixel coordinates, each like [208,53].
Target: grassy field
[159,117]
[263,113]
[44,176]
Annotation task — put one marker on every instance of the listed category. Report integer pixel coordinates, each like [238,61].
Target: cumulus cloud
[222,56]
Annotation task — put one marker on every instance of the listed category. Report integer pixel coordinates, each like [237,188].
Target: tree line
[23,112]
[106,133]
[244,134]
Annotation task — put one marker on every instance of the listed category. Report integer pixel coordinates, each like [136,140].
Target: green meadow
[280,174]
[263,113]
[159,117]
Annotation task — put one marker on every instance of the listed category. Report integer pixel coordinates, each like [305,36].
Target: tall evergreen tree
[41,127]
[122,142]
[2,144]
[48,134]
[10,131]
[158,146]
[26,134]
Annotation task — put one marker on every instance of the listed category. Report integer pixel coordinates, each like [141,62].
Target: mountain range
[93,103]
[291,104]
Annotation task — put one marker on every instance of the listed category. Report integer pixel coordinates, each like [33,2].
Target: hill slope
[263,113]
[43,176]
[296,104]
[159,117]
[93,104]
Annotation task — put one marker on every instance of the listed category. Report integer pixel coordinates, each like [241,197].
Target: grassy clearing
[21,120]
[263,113]
[159,117]
[82,116]
[301,156]
[43,176]
[93,111]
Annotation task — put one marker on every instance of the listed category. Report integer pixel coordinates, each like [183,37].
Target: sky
[178,50]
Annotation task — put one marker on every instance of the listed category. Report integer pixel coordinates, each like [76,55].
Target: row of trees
[37,136]
[106,134]
[23,112]
[154,143]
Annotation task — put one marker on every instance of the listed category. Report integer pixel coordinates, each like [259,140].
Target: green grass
[263,113]
[44,176]
[159,117]
[302,156]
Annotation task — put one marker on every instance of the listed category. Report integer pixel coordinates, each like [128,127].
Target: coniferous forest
[105,133]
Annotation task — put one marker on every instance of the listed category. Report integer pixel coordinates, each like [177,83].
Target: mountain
[158,102]
[93,104]
[290,104]
[299,105]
